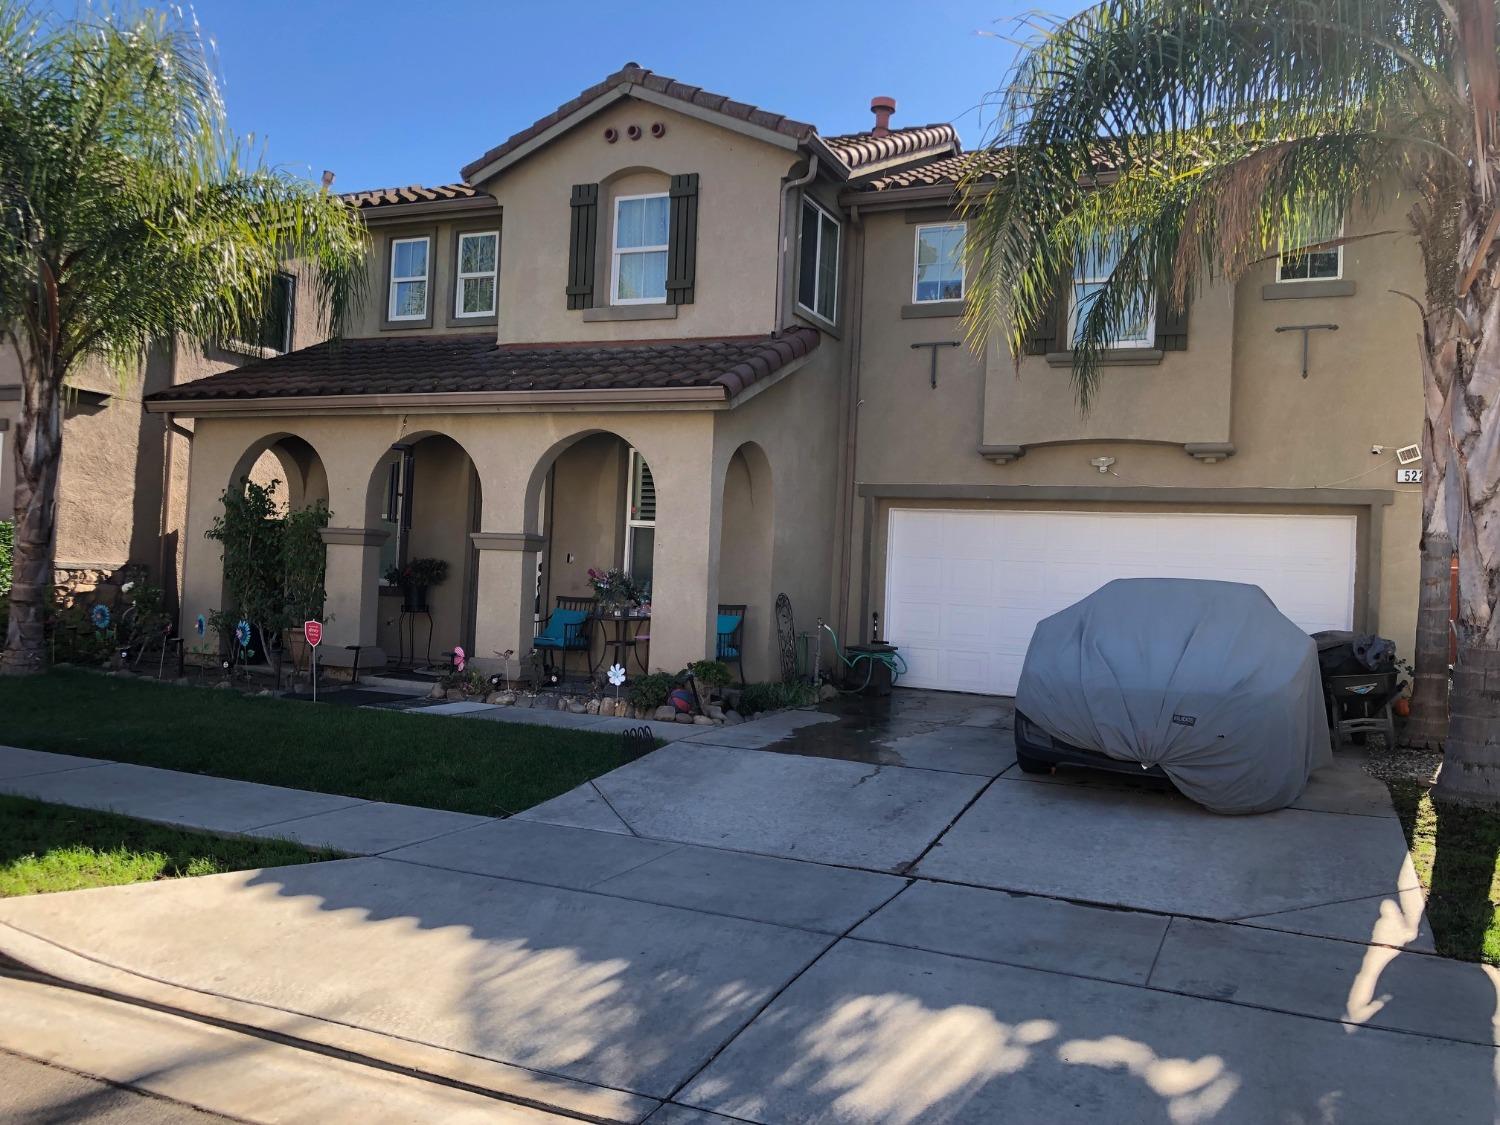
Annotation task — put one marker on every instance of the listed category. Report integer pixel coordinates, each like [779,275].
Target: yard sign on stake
[313,631]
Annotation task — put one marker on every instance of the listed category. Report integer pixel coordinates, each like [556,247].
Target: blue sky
[391,93]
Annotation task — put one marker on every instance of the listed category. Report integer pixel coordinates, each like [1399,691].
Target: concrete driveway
[858,917]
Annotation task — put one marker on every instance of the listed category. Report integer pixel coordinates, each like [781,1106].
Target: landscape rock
[454,694]
[606,707]
[688,719]
[733,718]
[665,714]
[702,721]
[223,684]
[827,693]
[576,708]
[437,692]
[714,712]
[265,691]
[592,706]
[527,701]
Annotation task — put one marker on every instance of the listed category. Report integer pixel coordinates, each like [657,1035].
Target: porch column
[506,595]
[353,586]
[685,573]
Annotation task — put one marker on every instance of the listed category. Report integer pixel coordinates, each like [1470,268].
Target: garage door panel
[965,590]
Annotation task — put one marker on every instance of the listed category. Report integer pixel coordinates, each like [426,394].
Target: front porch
[697,466]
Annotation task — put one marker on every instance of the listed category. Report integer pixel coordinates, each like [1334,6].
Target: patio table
[623,632]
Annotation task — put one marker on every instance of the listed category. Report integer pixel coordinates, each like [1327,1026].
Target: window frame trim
[393,280]
[809,201]
[615,253]
[916,262]
[1338,250]
[459,276]
[636,457]
[1148,339]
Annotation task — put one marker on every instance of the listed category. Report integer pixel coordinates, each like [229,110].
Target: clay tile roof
[413,193]
[633,74]
[857,150]
[946,170]
[445,364]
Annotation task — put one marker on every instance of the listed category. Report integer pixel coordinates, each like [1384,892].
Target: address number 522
[1408,476]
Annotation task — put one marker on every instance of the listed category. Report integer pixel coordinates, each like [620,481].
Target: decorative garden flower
[459,659]
[99,615]
[616,675]
[242,634]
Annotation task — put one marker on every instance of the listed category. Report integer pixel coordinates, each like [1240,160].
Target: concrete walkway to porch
[869,917]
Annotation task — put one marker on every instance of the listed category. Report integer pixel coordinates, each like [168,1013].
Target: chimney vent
[882,108]
[327,179]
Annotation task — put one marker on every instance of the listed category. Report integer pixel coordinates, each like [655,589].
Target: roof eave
[396,212]
[448,401]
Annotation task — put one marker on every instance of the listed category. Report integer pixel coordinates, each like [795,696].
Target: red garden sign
[313,631]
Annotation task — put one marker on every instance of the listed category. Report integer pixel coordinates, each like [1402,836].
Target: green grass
[465,765]
[54,848]
[1455,851]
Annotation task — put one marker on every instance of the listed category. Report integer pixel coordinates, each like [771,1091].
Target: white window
[939,270]
[1091,273]
[640,250]
[478,268]
[408,300]
[1315,265]
[640,519]
[818,262]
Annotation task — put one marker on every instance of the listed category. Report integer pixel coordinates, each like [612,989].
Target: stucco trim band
[354,536]
[1300,290]
[629,312]
[507,541]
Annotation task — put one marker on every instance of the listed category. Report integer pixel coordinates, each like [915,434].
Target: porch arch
[746,550]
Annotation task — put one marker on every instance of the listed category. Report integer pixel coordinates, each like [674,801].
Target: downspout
[849,450]
[781,238]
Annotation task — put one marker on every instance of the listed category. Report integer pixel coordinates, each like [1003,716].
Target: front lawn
[466,765]
[55,848]
[1455,851]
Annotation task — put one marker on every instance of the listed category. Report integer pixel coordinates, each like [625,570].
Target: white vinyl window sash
[1090,275]
[639,255]
[478,274]
[640,519]
[938,265]
[408,295]
[818,262]
[1314,265]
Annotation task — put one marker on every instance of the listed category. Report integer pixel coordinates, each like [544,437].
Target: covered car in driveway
[1206,682]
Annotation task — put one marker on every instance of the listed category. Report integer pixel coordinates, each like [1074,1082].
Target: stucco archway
[746,541]
[424,492]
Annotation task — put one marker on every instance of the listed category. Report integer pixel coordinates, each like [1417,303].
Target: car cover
[1205,679]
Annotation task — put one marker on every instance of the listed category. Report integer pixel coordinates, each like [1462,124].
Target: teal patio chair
[731,629]
[567,629]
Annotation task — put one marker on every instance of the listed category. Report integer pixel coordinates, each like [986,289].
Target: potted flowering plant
[615,589]
[414,578]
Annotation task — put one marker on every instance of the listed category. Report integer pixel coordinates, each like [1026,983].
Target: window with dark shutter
[1171,323]
[682,249]
[582,233]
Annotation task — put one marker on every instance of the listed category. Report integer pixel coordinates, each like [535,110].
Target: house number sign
[1408,476]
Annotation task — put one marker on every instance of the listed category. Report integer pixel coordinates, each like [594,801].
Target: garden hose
[891,660]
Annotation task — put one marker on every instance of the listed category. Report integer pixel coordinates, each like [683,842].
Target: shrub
[7,540]
[712,673]
[650,690]
[755,698]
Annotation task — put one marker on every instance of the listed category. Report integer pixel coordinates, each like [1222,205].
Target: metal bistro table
[626,631]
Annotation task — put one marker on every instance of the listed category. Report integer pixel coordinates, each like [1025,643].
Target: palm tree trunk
[1428,726]
[38,453]
[1471,765]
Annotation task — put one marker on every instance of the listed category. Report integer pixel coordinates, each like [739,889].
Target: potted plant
[616,590]
[709,678]
[414,578]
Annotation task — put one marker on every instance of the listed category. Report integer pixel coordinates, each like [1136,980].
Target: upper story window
[1091,272]
[1315,265]
[478,268]
[640,250]
[939,270]
[274,332]
[818,265]
[408,297]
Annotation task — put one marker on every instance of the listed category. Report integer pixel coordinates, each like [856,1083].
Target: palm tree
[1195,138]
[129,215]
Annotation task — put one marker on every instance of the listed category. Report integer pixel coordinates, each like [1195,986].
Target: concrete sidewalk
[801,933]
[218,804]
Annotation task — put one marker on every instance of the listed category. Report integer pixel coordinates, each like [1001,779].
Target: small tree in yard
[1190,139]
[129,215]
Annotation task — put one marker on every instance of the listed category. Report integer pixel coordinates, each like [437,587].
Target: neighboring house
[666,330]
[122,489]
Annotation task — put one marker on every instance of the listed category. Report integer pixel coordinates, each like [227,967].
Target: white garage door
[964,590]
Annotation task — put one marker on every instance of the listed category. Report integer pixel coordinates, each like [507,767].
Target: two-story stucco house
[666,330]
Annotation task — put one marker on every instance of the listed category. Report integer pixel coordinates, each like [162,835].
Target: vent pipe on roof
[882,108]
[327,179]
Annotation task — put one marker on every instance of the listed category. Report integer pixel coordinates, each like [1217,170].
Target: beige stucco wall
[1290,433]
[584,517]
[737,224]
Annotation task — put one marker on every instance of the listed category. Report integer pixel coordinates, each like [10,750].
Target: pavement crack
[628,826]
